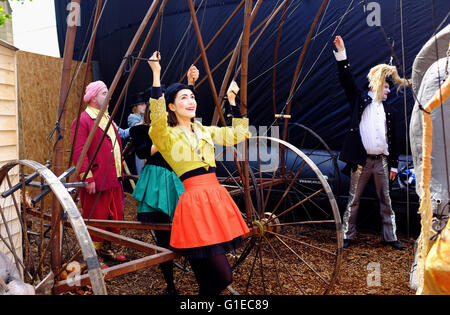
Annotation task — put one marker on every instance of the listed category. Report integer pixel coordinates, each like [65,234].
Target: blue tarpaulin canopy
[374,31]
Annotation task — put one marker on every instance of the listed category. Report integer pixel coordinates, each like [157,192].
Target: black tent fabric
[319,102]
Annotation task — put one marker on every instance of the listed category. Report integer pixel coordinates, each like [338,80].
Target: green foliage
[4,16]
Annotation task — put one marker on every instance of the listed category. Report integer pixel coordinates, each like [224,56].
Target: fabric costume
[106,171]
[133,120]
[158,187]
[362,165]
[206,215]
[157,192]
[207,223]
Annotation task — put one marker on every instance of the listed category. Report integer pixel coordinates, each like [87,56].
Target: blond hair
[377,78]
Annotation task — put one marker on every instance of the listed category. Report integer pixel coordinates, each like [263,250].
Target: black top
[143,146]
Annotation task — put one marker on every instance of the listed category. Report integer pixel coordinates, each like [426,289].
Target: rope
[75,75]
[318,57]
[298,48]
[406,116]
[340,19]
[442,109]
[179,43]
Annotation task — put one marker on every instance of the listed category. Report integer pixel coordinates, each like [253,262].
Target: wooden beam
[117,270]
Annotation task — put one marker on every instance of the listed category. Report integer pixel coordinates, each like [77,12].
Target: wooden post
[300,63]
[244,56]
[128,81]
[205,60]
[275,58]
[244,72]
[58,167]
[113,87]
[88,64]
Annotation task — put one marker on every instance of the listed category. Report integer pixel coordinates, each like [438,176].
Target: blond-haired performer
[371,144]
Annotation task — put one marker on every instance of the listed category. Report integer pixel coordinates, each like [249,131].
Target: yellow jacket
[185,150]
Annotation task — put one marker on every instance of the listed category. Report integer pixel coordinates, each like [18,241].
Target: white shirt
[372,128]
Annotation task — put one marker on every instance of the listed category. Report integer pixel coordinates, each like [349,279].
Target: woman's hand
[156,68]
[339,43]
[154,62]
[232,92]
[192,75]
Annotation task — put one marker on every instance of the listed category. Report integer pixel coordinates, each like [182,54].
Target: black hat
[137,99]
[171,91]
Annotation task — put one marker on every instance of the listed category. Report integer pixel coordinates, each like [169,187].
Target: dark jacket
[353,152]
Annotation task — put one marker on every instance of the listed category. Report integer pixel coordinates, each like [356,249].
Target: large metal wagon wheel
[24,184]
[295,244]
[313,145]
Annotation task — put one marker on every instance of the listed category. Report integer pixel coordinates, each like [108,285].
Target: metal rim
[267,228]
[73,215]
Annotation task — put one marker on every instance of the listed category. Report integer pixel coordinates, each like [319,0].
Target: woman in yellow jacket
[206,223]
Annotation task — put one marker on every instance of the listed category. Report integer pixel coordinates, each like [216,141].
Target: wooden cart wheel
[296,240]
[22,184]
[311,144]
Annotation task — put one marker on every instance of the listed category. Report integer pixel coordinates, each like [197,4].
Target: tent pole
[299,65]
[59,146]
[113,87]
[205,59]
[88,65]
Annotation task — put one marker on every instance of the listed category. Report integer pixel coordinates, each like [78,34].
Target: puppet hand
[232,92]
[339,43]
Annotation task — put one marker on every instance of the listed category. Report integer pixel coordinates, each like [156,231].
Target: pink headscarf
[92,90]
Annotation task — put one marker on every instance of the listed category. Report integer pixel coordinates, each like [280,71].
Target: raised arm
[159,131]
[239,130]
[345,75]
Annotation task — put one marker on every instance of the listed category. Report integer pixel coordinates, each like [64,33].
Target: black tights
[213,274]
[162,240]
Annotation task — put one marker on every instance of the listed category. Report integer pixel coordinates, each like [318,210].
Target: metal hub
[268,223]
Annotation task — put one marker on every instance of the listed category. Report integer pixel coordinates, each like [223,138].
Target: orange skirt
[205,215]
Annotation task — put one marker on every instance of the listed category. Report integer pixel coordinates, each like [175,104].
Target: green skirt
[158,189]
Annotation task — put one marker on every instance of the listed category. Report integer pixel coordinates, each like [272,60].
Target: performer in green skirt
[157,192]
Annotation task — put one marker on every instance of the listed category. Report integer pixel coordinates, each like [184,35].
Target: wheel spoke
[272,218]
[284,265]
[312,201]
[287,191]
[304,223]
[302,260]
[301,242]
[250,276]
[262,268]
